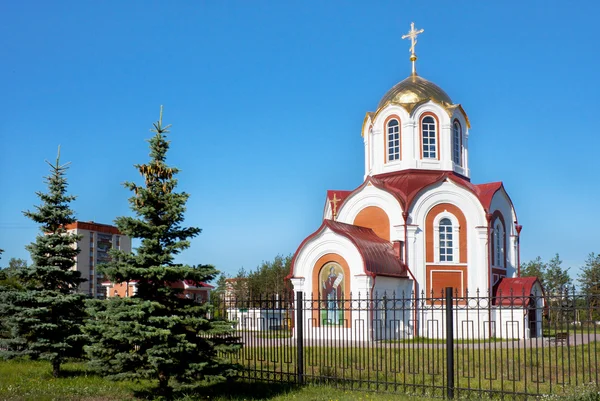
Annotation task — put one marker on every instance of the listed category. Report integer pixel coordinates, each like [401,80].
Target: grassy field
[492,368]
[28,380]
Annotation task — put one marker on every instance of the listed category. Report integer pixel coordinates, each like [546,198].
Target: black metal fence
[438,346]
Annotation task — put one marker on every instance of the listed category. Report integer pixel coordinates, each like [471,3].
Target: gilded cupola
[413,90]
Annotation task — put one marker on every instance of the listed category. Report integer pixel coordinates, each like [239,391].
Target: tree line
[264,282]
[157,334]
[555,278]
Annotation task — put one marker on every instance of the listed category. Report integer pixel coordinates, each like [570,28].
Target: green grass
[491,367]
[29,380]
[32,380]
[426,340]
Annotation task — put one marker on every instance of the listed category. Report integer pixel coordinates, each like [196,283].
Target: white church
[416,225]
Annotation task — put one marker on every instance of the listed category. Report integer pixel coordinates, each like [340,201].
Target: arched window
[456,143]
[498,242]
[446,243]
[393,140]
[429,136]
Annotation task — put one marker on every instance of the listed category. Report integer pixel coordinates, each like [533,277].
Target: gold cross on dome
[334,203]
[412,35]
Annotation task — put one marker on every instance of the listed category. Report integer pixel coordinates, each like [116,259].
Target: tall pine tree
[43,318]
[157,334]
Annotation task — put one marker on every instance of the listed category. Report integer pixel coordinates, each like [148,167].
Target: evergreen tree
[158,334]
[43,319]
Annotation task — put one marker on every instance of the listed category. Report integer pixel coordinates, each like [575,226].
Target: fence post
[449,345]
[300,337]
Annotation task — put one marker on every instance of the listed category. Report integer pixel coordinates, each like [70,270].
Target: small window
[393,140]
[446,242]
[499,244]
[428,129]
[456,143]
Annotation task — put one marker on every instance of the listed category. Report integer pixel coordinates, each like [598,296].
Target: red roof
[515,291]
[189,283]
[340,195]
[407,184]
[378,254]
[199,284]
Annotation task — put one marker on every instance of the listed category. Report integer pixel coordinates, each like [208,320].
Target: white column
[298,285]
[377,152]
[410,144]
[416,261]
[479,274]
[445,147]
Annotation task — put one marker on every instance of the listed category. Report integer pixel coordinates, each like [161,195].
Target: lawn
[497,367]
[29,380]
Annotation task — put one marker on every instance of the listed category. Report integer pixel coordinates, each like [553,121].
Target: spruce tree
[157,334]
[43,318]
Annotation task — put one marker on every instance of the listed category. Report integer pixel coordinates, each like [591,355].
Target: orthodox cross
[334,203]
[412,35]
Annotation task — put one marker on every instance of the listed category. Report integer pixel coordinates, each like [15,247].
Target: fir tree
[43,318]
[157,334]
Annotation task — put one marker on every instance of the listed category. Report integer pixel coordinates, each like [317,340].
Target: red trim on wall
[497,215]
[429,230]
[92,226]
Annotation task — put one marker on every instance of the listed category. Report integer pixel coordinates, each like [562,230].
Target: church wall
[375,142]
[429,230]
[464,168]
[370,196]
[393,315]
[474,227]
[323,244]
[440,275]
[443,161]
[502,204]
[376,219]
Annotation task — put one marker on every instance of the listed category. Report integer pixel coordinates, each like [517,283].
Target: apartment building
[96,242]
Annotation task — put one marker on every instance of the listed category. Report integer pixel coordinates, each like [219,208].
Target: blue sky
[267,100]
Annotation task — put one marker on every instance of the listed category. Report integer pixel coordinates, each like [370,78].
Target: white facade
[446,231]
[374,132]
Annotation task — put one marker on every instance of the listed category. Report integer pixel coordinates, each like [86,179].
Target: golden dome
[415,89]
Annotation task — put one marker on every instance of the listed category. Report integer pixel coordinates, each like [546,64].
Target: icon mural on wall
[331,287]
